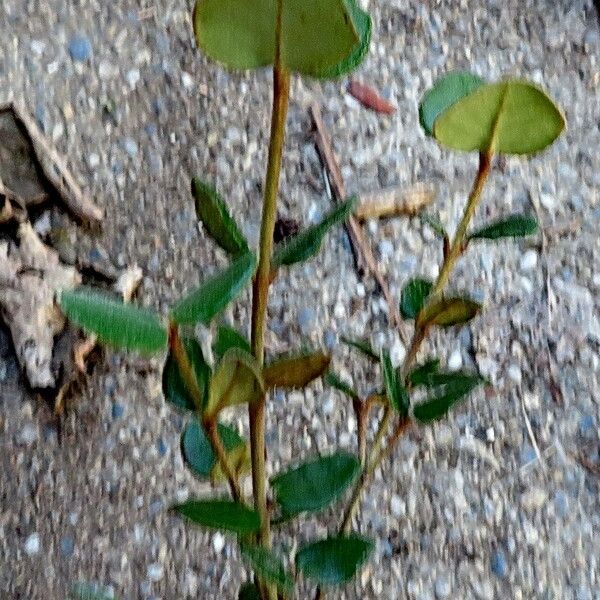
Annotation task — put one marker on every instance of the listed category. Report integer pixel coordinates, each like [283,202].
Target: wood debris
[370,98]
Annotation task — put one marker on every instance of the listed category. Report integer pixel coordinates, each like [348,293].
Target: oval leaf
[361,346]
[413,297]
[446,92]
[395,390]
[334,560]
[267,566]
[334,381]
[419,375]
[511,117]
[174,389]
[439,405]
[319,38]
[228,338]
[220,514]
[315,484]
[307,243]
[237,380]
[513,226]
[115,323]
[448,311]
[215,293]
[297,371]
[212,211]
[197,451]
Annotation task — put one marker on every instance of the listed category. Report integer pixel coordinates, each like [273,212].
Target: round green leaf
[220,514]
[215,293]
[114,322]
[197,450]
[413,297]
[267,566]
[314,484]
[212,211]
[447,91]
[511,117]
[174,389]
[319,38]
[335,560]
[513,226]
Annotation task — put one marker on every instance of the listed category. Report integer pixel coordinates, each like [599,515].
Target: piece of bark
[31,169]
[370,98]
[363,255]
[393,202]
[30,275]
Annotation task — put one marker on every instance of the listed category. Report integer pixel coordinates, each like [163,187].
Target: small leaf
[197,450]
[413,297]
[296,371]
[448,311]
[115,323]
[395,390]
[513,226]
[441,403]
[335,560]
[249,591]
[220,514]
[361,346]
[419,375]
[212,211]
[267,566]
[227,338]
[315,484]
[446,92]
[334,381]
[307,243]
[454,378]
[319,38]
[174,389]
[215,293]
[237,380]
[510,117]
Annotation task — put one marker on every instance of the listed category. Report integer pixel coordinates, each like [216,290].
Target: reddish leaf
[368,97]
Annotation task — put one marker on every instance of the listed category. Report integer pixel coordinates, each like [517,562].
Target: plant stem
[191,383]
[281,93]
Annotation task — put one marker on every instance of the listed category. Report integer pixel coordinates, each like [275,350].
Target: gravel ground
[469,508]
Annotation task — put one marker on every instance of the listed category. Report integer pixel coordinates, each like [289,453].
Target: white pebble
[32,544]
[133,76]
[187,80]
[548,201]
[361,292]
[455,360]
[93,160]
[155,572]
[218,542]
[490,434]
[397,506]
[443,588]
[529,260]
[397,353]
[514,372]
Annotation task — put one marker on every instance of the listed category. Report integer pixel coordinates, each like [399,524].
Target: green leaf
[446,92]
[419,375]
[174,389]
[267,566]
[212,211]
[444,400]
[361,346]
[334,381]
[315,484]
[220,514]
[197,450]
[237,380]
[319,38]
[335,560]
[513,226]
[510,117]
[395,390]
[454,378]
[296,371]
[249,591]
[307,243]
[413,297]
[448,311]
[114,322]
[227,338]
[215,293]
[90,591]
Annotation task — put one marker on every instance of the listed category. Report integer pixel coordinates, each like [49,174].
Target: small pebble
[80,48]
[498,564]
[155,572]
[306,320]
[67,546]
[455,360]
[514,373]
[528,260]
[117,411]
[27,436]
[32,544]
[130,146]
[443,589]
[218,542]
[162,447]
[561,503]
